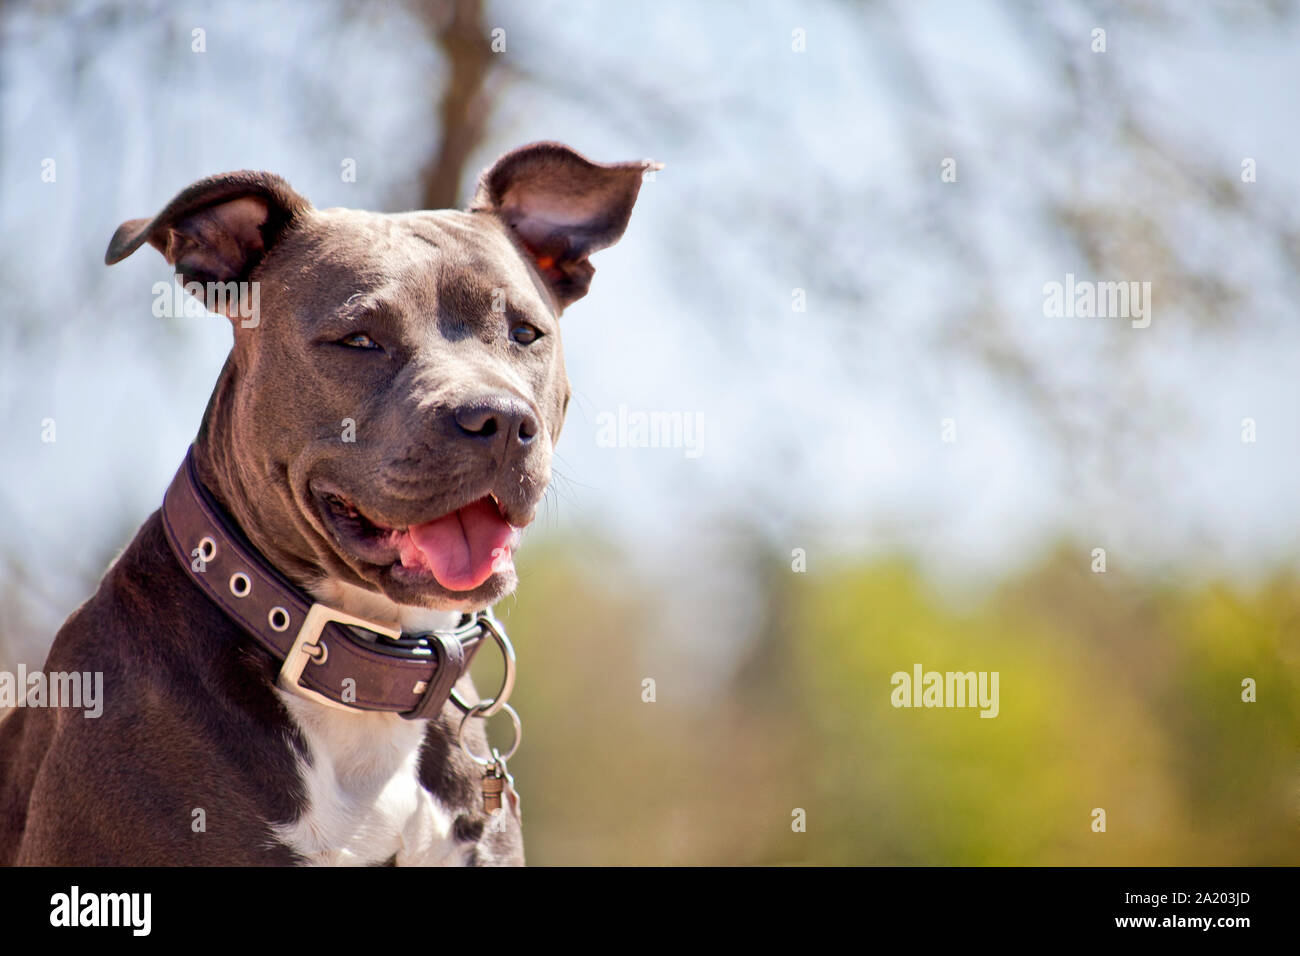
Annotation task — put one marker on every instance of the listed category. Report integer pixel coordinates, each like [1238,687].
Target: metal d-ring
[493,705]
[496,756]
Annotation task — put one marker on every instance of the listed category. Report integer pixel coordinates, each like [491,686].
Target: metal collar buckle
[452,649]
[308,647]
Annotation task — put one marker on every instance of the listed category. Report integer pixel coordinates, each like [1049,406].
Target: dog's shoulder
[182,704]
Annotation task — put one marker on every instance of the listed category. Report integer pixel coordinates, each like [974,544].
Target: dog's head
[389,409]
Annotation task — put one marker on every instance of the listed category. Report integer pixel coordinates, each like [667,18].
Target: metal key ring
[492,705]
[496,755]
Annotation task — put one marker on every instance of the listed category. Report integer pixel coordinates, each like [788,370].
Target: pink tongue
[464,548]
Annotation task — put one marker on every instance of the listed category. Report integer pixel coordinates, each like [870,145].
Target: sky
[816,171]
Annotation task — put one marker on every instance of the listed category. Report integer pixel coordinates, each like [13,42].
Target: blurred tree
[1114,692]
[458,29]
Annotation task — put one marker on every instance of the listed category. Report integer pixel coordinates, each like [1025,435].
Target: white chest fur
[364,801]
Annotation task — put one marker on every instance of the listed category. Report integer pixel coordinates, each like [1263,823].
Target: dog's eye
[359,340]
[525,334]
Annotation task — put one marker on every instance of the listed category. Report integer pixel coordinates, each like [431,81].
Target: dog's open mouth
[460,550]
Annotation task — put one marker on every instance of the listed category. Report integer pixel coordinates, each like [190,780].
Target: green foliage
[1114,693]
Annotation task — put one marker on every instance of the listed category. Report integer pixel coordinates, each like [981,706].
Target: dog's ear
[562,207]
[216,230]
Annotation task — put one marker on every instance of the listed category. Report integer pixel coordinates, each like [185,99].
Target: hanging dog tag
[496,779]
[494,784]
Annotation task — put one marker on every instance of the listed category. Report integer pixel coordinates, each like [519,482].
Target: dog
[284,645]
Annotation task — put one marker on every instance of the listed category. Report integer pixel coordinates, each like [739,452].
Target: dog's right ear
[216,230]
[561,207]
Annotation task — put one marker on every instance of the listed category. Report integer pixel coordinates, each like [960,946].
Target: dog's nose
[497,418]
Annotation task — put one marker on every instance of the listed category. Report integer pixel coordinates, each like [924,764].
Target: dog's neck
[259,504]
[372,606]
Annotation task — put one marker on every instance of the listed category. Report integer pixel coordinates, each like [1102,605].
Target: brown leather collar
[324,654]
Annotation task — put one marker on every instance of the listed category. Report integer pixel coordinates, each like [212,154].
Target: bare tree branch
[458,28]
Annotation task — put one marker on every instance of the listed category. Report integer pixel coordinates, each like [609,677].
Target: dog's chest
[365,804]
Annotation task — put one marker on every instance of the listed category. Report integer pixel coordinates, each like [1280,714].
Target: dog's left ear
[562,207]
[217,229]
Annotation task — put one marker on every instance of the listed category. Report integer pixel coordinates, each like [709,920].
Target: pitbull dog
[380,433]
